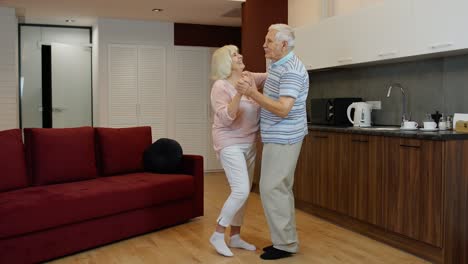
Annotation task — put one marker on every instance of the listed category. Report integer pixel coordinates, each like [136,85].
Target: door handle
[323,137]
[58,109]
[386,54]
[441,45]
[359,141]
[343,60]
[409,146]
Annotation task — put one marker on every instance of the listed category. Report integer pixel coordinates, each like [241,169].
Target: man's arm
[281,107]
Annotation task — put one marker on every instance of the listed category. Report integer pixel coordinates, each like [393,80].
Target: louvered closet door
[212,162]
[152,89]
[191,112]
[8,73]
[123,85]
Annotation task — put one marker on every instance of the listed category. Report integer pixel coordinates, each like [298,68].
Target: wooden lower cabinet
[390,188]
[364,170]
[413,189]
[343,173]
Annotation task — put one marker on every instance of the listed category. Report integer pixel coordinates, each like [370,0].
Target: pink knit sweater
[242,128]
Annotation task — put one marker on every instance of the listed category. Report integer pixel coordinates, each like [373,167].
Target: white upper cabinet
[387,30]
[381,27]
[314,43]
[439,26]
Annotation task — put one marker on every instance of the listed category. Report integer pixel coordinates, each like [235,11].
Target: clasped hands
[246,84]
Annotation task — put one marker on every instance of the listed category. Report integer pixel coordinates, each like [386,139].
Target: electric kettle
[362,114]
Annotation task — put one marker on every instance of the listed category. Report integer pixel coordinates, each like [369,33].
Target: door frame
[20,25]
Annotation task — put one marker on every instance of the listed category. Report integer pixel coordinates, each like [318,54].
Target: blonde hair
[284,33]
[221,62]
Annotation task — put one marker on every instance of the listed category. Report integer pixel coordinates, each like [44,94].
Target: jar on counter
[449,122]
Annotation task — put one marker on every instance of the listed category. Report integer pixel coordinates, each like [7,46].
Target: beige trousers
[276,183]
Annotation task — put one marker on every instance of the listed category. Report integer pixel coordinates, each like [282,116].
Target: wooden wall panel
[206,36]
[257,16]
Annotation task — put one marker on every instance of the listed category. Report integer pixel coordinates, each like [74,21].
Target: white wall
[9,108]
[113,31]
[95,66]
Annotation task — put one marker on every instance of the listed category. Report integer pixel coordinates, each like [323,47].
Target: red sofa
[67,190]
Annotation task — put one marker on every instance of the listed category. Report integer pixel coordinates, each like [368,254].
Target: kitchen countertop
[418,134]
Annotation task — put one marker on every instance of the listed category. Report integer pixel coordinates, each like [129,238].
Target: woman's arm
[224,105]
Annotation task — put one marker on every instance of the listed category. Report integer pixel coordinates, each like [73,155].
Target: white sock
[217,240]
[237,242]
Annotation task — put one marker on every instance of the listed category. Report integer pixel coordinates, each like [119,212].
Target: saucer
[409,128]
[429,129]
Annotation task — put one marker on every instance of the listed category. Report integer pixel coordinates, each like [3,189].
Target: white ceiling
[85,12]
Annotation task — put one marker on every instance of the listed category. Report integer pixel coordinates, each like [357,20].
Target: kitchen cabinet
[300,188]
[322,169]
[387,30]
[311,44]
[370,34]
[342,173]
[413,200]
[409,190]
[364,172]
[438,26]
[392,183]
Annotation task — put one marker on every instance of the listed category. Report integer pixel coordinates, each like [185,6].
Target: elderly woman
[235,127]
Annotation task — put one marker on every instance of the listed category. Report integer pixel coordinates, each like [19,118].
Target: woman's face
[237,63]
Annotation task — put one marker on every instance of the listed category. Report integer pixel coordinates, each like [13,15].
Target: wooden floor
[320,241]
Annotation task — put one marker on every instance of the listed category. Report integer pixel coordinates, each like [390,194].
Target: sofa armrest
[193,165]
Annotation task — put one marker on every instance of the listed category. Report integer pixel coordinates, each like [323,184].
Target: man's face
[274,50]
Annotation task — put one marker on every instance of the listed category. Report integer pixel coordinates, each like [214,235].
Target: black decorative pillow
[163,156]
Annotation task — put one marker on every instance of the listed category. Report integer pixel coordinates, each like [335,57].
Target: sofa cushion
[38,208]
[121,150]
[12,161]
[60,155]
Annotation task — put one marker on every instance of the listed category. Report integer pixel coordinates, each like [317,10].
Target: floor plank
[320,241]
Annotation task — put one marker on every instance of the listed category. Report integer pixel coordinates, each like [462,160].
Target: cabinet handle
[321,137]
[409,146]
[441,45]
[385,54]
[359,141]
[345,60]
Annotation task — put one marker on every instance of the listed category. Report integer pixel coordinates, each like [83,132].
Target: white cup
[442,125]
[410,125]
[430,125]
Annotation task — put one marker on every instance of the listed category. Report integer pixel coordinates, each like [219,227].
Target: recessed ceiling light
[157,10]
[70,20]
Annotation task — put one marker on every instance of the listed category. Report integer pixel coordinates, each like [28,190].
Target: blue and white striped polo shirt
[286,77]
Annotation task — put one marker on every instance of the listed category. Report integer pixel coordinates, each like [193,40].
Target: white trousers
[238,162]
[276,183]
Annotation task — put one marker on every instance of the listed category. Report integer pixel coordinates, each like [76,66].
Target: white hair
[221,62]
[285,33]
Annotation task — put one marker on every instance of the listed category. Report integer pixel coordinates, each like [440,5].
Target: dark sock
[275,253]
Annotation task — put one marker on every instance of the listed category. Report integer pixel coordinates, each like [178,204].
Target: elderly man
[283,125]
